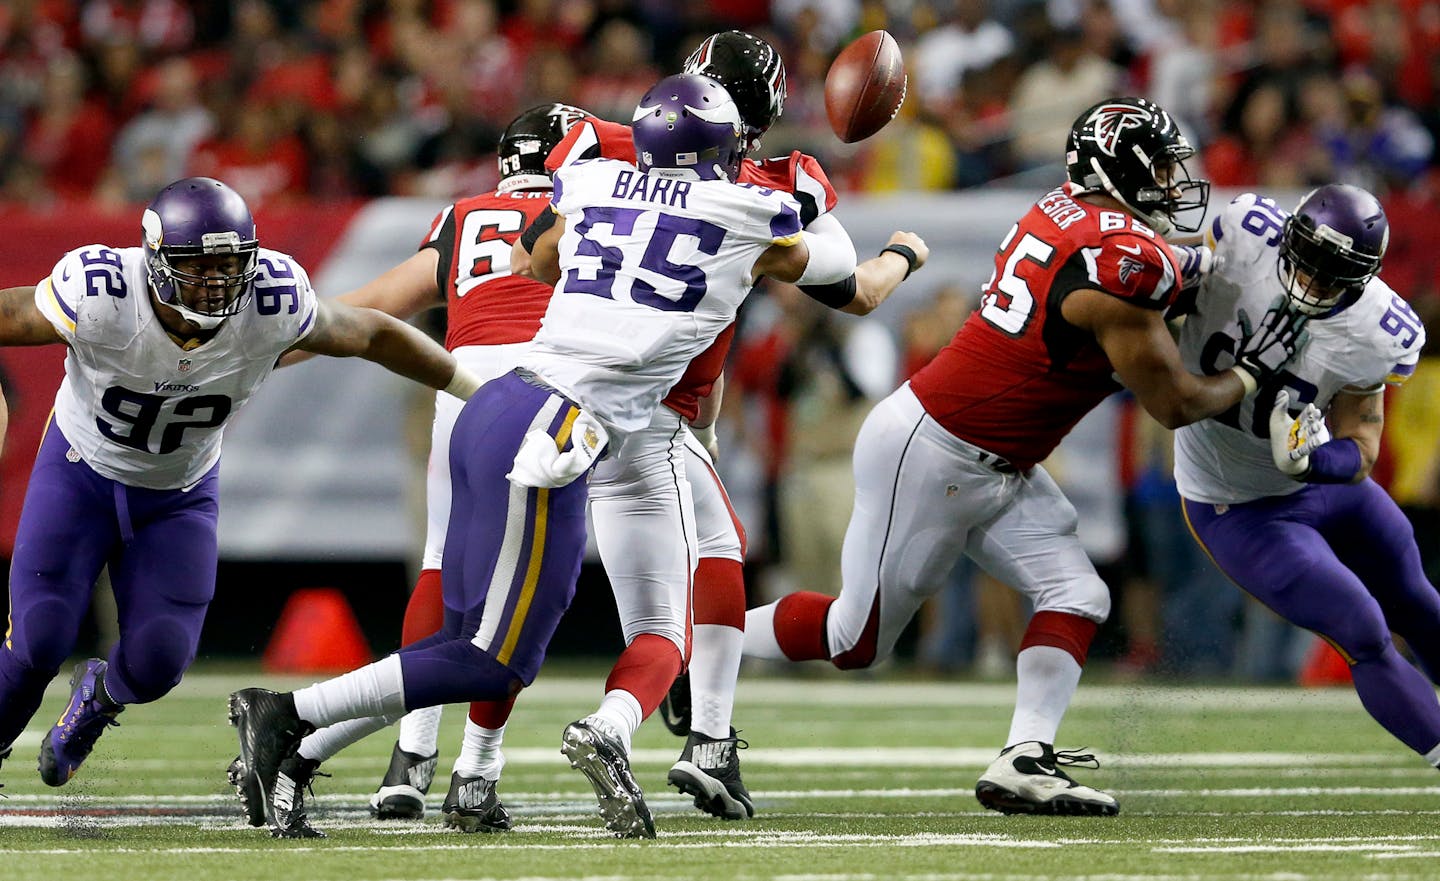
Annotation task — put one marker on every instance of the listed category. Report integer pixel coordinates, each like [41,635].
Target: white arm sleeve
[832,254]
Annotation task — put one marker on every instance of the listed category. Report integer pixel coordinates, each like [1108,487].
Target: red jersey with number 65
[798,174]
[485,304]
[1018,376]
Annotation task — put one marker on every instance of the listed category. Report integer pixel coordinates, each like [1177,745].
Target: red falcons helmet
[529,139]
[751,71]
[1132,149]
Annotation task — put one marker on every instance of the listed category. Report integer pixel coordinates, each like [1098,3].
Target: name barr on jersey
[665,191]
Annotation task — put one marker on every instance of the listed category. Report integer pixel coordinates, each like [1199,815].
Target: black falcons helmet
[751,71]
[530,137]
[1117,146]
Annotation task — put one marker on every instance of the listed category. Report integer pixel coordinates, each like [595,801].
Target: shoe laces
[1075,757]
[87,731]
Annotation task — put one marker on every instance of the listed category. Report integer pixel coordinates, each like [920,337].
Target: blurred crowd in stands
[290,99]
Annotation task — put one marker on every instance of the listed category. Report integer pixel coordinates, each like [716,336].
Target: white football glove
[540,464]
[1293,440]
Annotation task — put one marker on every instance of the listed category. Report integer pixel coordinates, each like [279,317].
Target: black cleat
[4,754]
[287,802]
[473,805]
[270,732]
[600,756]
[69,743]
[402,792]
[1026,779]
[247,789]
[675,706]
[709,769]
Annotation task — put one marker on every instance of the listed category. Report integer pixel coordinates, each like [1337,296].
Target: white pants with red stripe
[923,497]
[486,362]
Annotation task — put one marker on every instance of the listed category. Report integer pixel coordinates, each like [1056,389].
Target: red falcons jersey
[797,173]
[1017,376]
[485,304]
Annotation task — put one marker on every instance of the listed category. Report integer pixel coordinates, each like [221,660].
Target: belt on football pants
[996,463]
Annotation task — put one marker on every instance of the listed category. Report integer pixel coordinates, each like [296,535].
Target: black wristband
[908,253]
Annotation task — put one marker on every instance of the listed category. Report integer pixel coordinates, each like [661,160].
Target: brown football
[865,87]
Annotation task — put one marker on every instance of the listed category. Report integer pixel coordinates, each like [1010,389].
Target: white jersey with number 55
[1371,342]
[134,404]
[652,270]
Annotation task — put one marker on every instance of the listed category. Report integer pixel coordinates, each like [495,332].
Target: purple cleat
[85,718]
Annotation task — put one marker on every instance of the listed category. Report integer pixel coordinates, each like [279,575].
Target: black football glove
[1269,347]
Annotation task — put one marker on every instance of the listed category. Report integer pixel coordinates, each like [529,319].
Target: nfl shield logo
[184,365]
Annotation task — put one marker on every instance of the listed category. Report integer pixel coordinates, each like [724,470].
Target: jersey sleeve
[782,220]
[592,138]
[285,299]
[798,174]
[60,294]
[1134,268]
[442,240]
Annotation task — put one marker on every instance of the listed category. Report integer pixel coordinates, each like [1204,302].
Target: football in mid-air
[865,87]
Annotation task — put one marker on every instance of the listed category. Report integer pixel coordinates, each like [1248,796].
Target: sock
[480,754]
[1046,679]
[1433,756]
[492,714]
[759,638]
[645,669]
[789,629]
[425,612]
[324,743]
[621,712]
[714,667]
[419,730]
[376,689]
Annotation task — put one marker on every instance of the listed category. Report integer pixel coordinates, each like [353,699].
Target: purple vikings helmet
[1335,239]
[687,126]
[194,217]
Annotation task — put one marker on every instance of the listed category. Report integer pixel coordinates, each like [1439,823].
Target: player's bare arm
[1359,416]
[402,291]
[543,260]
[783,262]
[21,323]
[1143,353]
[877,278]
[343,331]
[703,425]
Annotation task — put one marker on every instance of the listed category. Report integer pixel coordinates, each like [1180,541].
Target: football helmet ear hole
[201,251]
[1332,246]
[1132,150]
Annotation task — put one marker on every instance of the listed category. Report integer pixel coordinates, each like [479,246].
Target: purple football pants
[161,549]
[512,554]
[1341,560]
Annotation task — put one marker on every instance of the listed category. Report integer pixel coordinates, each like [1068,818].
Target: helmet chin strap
[1297,297]
[1156,220]
[203,320]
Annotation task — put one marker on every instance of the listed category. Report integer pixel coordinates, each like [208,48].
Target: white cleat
[1026,779]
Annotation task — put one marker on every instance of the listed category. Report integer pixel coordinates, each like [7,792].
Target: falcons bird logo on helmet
[1111,120]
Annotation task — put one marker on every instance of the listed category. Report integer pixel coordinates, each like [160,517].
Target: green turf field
[853,779]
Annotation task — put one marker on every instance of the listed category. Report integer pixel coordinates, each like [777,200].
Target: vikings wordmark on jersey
[135,405]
